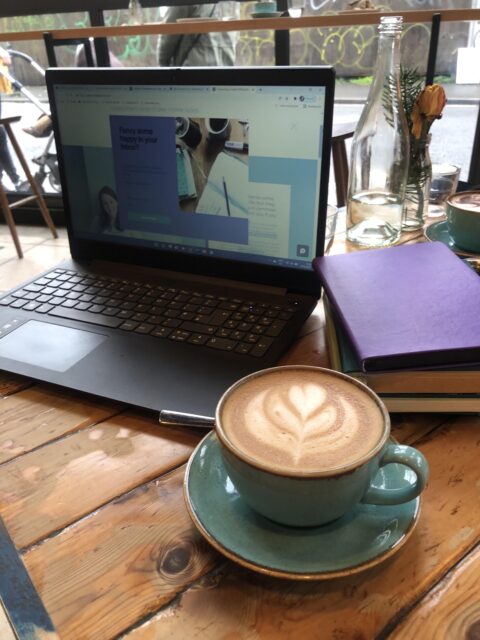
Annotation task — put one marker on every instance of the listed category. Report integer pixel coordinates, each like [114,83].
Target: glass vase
[415,208]
[380,150]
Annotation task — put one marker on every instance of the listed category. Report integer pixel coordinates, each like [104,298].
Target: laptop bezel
[300,281]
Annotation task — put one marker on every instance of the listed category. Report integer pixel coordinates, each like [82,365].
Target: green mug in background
[463,220]
[264,7]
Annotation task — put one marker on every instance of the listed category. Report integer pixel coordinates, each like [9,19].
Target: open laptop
[195,200]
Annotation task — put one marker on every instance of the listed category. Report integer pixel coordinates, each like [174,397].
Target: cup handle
[410,457]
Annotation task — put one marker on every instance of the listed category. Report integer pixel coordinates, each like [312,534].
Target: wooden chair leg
[38,194]
[10,221]
[340,169]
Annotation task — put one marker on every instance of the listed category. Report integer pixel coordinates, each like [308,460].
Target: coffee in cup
[296,420]
[218,129]
[463,220]
[303,444]
[188,131]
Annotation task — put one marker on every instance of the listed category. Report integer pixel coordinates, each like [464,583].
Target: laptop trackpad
[50,346]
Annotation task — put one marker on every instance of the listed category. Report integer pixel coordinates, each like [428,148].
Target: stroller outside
[47,160]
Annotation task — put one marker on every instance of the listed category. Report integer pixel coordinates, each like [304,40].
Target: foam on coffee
[469,201]
[304,420]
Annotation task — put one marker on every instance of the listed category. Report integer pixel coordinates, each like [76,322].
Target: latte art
[302,419]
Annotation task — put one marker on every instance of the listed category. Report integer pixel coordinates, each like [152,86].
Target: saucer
[364,537]
[265,14]
[439,231]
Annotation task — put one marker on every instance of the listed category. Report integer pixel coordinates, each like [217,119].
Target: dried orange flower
[428,106]
[432,100]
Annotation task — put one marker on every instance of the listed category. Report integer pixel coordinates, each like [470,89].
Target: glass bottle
[380,150]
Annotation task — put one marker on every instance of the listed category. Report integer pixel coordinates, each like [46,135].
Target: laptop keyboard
[220,322]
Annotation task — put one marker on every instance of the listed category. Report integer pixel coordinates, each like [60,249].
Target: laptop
[195,200]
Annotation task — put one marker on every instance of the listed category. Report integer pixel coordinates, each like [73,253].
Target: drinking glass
[444,184]
[330,226]
[295,8]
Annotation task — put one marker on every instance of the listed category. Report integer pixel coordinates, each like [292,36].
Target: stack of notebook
[406,321]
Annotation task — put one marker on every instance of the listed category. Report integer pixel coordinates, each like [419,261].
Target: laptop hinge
[127,271]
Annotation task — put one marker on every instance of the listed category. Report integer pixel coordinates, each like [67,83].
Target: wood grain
[122,563]
[309,347]
[10,383]
[51,487]
[244,605]
[451,611]
[43,413]
[409,428]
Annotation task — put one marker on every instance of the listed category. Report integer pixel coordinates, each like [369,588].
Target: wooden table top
[91,494]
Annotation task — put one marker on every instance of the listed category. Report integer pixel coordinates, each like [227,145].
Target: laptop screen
[231,171]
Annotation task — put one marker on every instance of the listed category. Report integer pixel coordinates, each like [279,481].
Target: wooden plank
[364,603]
[42,413]
[124,562]
[11,383]
[340,19]
[309,348]
[409,428]
[53,486]
[451,610]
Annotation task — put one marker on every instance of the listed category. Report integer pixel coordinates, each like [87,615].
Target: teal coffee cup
[303,445]
[463,220]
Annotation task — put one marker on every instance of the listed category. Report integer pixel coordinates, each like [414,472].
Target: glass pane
[134,50]
[28,99]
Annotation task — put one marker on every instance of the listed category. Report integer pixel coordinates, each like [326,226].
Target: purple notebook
[405,307]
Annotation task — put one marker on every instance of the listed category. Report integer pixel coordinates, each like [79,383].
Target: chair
[340,132]
[37,195]
[51,43]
